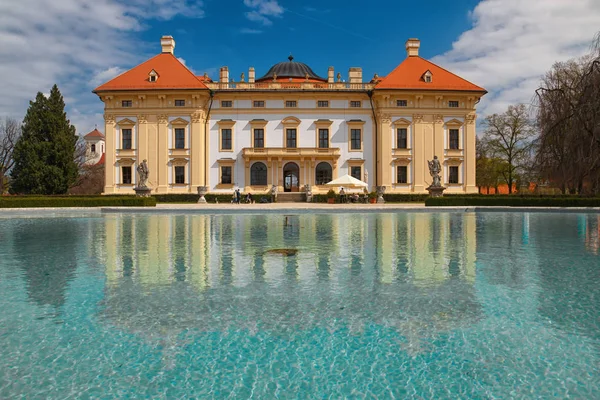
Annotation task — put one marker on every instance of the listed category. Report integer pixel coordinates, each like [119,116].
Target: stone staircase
[291,197]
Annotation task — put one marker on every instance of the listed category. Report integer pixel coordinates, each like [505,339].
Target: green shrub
[75,201]
[404,198]
[514,201]
[177,198]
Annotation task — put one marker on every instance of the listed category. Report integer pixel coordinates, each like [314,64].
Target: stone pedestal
[380,190]
[142,191]
[436,191]
[308,191]
[202,190]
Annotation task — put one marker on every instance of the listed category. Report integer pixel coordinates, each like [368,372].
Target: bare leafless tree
[568,115]
[10,131]
[509,137]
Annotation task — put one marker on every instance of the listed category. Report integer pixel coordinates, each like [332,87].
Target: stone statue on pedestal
[434,170]
[143,173]
[141,189]
[435,189]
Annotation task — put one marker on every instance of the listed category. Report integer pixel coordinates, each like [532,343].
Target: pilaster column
[197,149]
[384,153]
[162,148]
[110,152]
[438,136]
[469,154]
[142,138]
[419,154]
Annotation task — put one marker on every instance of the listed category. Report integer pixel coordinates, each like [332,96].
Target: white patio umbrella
[347,181]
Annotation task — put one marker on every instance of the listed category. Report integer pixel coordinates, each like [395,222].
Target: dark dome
[291,69]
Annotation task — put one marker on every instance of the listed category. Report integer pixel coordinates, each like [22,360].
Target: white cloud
[263,10]
[77,44]
[105,75]
[513,43]
[250,31]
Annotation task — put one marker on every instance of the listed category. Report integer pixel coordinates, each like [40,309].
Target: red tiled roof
[409,75]
[94,133]
[172,75]
[102,160]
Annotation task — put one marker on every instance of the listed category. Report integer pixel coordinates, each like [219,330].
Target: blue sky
[502,45]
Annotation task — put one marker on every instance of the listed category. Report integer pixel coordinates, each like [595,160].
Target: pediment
[454,122]
[290,120]
[126,122]
[402,121]
[179,121]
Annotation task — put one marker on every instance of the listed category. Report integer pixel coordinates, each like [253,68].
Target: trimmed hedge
[514,201]
[176,198]
[405,198]
[75,201]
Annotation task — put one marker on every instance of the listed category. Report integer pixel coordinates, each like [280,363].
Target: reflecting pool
[423,305]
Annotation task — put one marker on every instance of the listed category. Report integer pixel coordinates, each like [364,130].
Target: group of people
[353,197]
[237,197]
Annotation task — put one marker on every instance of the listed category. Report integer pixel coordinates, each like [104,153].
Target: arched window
[93,148]
[258,174]
[323,173]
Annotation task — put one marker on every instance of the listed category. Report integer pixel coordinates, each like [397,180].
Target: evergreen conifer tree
[44,154]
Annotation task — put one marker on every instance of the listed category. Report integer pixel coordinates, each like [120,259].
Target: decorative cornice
[384,118]
[109,118]
[163,119]
[438,119]
[470,118]
[417,118]
[198,116]
[142,119]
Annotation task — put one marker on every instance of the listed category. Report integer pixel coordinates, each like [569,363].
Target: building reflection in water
[412,272]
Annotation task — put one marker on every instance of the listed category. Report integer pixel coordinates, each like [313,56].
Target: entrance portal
[291,181]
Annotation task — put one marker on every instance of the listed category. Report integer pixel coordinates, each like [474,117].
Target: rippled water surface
[423,305]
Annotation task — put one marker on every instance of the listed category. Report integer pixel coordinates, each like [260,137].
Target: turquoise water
[407,305]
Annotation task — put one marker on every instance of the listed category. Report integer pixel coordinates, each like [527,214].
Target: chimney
[168,44]
[355,75]
[330,75]
[224,75]
[251,75]
[412,47]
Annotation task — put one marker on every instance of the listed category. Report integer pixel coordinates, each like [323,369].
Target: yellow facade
[192,137]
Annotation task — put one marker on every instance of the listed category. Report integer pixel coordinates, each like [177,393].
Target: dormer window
[153,76]
[428,76]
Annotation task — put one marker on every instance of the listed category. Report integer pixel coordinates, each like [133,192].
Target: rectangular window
[226,139]
[323,138]
[355,103]
[226,175]
[402,138]
[453,178]
[179,175]
[179,103]
[179,138]
[323,103]
[291,103]
[127,103]
[126,175]
[355,139]
[126,143]
[259,138]
[290,138]
[454,139]
[226,103]
[401,174]
[355,172]
[401,103]
[258,103]
[453,104]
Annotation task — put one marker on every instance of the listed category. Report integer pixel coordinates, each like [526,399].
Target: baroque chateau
[289,128]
